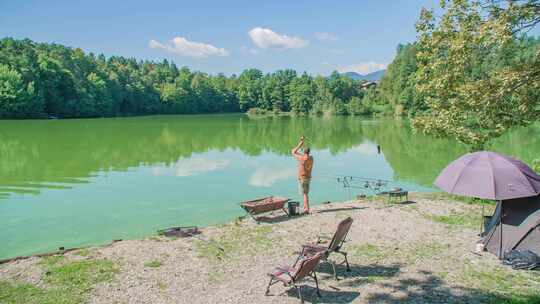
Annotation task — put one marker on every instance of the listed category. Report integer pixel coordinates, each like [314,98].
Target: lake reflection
[77,182]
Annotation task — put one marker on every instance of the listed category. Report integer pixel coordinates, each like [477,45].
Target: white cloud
[194,166]
[366,148]
[190,167]
[326,36]
[183,47]
[266,177]
[267,39]
[248,51]
[363,67]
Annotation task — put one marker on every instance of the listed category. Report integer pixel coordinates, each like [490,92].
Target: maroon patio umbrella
[489,175]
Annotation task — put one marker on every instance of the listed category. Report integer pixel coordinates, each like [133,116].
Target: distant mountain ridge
[374,76]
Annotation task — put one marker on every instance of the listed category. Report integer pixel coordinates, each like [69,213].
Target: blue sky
[225,36]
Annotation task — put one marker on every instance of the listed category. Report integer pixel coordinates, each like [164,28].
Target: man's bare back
[305,166]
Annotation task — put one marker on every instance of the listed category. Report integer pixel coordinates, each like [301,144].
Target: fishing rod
[365,178]
[356,179]
[307,141]
[353,177]
[350,181]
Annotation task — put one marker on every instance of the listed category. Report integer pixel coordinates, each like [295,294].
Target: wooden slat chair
[303,268]
[335,245]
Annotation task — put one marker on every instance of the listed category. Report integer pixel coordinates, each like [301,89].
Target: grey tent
[520,228]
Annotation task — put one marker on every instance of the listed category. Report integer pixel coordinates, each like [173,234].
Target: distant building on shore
[368,84]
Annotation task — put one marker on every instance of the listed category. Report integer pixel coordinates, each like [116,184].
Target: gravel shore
[398,253]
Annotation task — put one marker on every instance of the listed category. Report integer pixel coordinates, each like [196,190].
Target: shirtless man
[305,164]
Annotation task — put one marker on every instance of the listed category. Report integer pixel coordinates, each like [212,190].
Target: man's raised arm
[294,151]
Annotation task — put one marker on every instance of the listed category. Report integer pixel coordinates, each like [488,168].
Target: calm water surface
[79,182]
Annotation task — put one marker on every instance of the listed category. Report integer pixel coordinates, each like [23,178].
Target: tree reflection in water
[57,154]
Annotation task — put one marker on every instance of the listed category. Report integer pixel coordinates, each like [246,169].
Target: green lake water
[82,182]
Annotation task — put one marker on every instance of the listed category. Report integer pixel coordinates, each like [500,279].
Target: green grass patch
[516,299]
[375,279]
[51,260]
[68,282]
[368,252]
[415,253]
[162,285]
[235,241]
[216,276]
[153,264]
[80,276]
[424,251]
[158,238]
[458,198]
[469,220]
[504,285]
[18,293]
[83,252]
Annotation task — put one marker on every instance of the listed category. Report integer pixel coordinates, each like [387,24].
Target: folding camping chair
[290,275]
[335,245]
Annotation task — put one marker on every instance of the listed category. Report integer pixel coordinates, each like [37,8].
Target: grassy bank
[61,281]
[419,252]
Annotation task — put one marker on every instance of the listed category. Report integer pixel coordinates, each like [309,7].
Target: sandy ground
[397,254]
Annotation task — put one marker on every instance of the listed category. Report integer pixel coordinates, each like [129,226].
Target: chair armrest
[309,246]
[311,249]
[322,238]
[283,271]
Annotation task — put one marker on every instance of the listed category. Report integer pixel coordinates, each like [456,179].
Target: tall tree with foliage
[16,97]
[473,87]
[301,93]
[250,89]
[397,87]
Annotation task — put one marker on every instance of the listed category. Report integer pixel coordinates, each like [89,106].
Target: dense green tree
[357,107]
[372,101]
[16,98]
[397,88]
[341,87]
[322,96]
[250,89]
[275,91]
[474,85]
[301,93]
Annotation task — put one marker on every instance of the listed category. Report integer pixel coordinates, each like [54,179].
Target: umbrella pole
[482,221]
[501,231]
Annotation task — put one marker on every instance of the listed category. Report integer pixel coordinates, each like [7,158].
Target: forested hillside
[40,80]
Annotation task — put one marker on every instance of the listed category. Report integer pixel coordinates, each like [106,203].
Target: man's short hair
[306,150]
